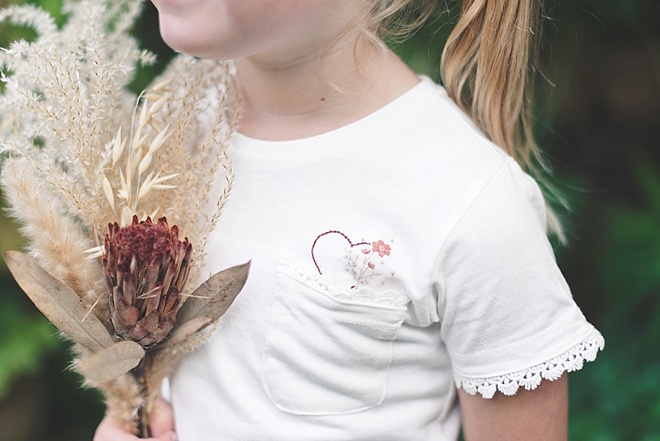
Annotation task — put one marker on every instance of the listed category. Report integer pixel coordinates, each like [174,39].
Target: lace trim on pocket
[381,297]
[569,361]
[369,295]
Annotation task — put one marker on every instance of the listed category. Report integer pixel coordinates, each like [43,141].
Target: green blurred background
[598,121]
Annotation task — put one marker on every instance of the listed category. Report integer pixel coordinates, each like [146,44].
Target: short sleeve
[508,318]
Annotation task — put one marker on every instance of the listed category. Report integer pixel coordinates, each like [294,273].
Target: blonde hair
[486,66]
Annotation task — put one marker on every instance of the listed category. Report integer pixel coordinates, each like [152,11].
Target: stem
[143,424]
[139,373]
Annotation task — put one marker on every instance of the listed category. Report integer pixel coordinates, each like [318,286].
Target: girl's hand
[162,426]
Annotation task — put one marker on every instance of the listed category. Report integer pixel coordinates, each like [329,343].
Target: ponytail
[487,67]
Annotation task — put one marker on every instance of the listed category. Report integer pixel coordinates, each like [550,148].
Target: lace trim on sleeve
[569,361]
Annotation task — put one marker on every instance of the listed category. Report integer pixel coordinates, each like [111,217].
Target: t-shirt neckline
[359,128]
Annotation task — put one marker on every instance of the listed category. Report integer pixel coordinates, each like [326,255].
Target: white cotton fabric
[393,260]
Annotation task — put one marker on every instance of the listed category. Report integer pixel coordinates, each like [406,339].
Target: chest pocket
[326,354]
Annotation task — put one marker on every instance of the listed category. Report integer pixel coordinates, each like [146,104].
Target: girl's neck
[317,92]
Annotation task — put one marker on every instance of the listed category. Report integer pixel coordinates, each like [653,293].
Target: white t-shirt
[393,260]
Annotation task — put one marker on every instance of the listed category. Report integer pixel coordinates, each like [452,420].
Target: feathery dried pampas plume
[86,165]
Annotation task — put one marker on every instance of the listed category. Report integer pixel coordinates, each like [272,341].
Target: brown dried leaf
[186,329]
[112,362]
[58,302]
[209,301]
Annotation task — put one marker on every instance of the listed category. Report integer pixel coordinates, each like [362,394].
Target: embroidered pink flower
[358,260]
[381,248]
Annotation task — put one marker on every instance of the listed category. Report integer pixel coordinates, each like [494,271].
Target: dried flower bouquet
[116,194]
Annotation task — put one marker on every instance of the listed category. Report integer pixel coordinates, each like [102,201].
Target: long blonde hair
[487,68]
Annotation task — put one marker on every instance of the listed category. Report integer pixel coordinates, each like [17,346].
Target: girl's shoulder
[458,167]
[430,137]
[436,121]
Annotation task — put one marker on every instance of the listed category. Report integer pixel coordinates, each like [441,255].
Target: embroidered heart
[350,242]
[361,265]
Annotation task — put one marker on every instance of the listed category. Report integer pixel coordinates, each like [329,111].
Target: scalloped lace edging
[382,297]
[388,297]
[569,361]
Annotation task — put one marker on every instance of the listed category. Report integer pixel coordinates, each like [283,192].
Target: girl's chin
[158,3]
[173,4]
[197,44]
[190,47]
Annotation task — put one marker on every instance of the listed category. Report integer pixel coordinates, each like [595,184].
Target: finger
[162,419]
[110,430]
[167,436]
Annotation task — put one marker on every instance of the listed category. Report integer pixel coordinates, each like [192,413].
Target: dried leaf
[146,186]
[184,330]
[143,116]
[160,179]
[209,301]
[112,362]
[146,162]
[107,189]
[58,302]
[157,143]
[118,147]
[127,216]
[162,86]
[154,213]
[158,105]
[163,187]
[152,97]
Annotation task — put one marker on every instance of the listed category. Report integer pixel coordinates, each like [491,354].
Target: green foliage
[26,335]
[144,31]
[26,339]
[624,385]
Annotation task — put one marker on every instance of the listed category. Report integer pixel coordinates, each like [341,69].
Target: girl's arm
[162,427]
[540,414]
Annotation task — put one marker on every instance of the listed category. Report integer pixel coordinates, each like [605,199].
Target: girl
[401,273]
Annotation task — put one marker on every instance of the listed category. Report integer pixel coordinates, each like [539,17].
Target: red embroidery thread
[334,232]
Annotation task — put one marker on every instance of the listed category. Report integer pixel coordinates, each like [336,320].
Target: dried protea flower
[146,267]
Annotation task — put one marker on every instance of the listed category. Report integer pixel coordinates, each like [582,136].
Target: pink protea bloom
[381,248]
[146,267]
